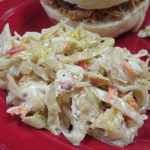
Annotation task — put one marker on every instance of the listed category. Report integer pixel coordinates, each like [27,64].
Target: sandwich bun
[96,4]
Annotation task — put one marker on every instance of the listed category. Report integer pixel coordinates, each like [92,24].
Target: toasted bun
[96,4]
[131,20]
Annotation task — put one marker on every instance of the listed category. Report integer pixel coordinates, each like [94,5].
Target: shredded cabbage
[5,39]
[75,82]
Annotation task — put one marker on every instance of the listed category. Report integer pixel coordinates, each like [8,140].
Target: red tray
[29,16]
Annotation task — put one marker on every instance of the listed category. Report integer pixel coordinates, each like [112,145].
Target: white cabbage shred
[144,33]
[5,39]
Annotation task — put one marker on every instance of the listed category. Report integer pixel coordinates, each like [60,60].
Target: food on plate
[73,82]
[144,33]
[106,17]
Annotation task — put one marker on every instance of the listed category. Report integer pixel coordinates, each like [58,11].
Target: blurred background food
[108,18]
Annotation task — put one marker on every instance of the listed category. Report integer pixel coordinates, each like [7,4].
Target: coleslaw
[74,82]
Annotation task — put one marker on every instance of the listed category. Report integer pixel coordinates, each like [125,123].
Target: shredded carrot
[24,77]
[19,110]
[82,64]
[133,104]
[97,81]
[129,69]
[111,93]
[22,111]
[110,83]
[14,50]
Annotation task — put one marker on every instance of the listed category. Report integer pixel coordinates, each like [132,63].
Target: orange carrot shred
[129,69]
[82,64]
[14,50]
[111,93]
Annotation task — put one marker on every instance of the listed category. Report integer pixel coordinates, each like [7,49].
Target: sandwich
[105,17]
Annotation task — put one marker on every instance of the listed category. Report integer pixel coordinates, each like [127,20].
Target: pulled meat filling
[78,14]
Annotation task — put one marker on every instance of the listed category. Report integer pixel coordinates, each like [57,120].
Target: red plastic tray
[29,16]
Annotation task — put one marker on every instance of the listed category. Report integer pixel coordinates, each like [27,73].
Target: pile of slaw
[76,83]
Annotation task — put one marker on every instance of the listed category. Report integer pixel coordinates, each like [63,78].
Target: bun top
[96,4]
